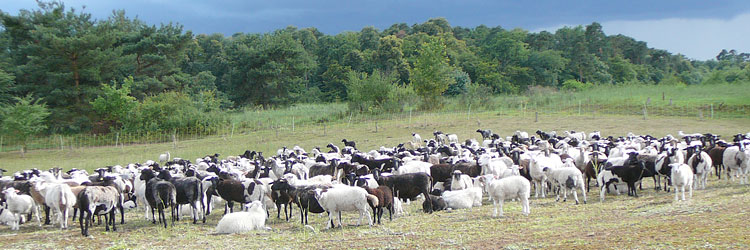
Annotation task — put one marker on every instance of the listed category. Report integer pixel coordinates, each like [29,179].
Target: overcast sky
[697,29]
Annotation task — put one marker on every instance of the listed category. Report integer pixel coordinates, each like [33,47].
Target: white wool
[682,177]
[239,222]
[465,198]
[514,187]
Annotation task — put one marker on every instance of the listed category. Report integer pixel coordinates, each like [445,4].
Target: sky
[695,28]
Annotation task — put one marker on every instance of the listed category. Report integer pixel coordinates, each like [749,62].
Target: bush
[173,111]
[376,92]
[574,85]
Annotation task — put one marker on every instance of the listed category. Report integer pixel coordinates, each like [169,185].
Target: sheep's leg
[112,219]
[601,193]
[494,204]
[683,192]
[331,218]
[583,192]
[500,204]
[676,196]
[526,210]
[46,214]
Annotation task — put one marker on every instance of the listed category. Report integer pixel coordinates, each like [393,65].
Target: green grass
[715,217]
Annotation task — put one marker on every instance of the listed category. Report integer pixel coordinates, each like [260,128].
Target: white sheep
[682,176]
[452,138]
[413,167]
[737,162]
[567,178]
[416,138]
[18,205]
[460,181]
[701,162]
[59,198]
[239,222]
[513,187]
[536,167]
[164,157]
[345,198]
[465,198]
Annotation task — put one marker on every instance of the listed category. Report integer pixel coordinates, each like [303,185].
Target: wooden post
[712,111]
[662,96]
[468,113]
[579,107]
[61,143]
[324,129]
[376,126]
[700,114]
[174,139]
[232,134]
[536,116]
[409,116]
[644,111]
[350,119]
[292,125]
[1,142]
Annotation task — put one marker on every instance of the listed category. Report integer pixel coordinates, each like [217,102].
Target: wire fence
[572,108]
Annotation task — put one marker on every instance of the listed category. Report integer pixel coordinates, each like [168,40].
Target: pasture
[714,218]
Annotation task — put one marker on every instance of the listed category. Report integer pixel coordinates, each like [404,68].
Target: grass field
[714,218]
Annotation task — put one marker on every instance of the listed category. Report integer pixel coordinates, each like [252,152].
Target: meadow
[713,218]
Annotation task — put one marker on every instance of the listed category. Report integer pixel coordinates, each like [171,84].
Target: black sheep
[189,191]
[407,186]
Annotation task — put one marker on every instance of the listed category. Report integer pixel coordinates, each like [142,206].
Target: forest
[64,72]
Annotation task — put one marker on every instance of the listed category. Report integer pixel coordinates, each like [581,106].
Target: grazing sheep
[95,200]
[513,187]
[736,161]
[239,222]
[567,178]
[682,176]
[18,205]
[345,198]
[486,133]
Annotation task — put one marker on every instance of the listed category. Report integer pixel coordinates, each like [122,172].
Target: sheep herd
[445,173]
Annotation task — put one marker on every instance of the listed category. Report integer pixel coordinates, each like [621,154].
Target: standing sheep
[513,187]
[20,204]
[345,198]
[682,176]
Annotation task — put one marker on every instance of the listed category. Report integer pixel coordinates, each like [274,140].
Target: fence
[283,123]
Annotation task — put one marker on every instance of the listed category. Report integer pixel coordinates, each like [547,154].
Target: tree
[23,119]
[431,74]
[115,104]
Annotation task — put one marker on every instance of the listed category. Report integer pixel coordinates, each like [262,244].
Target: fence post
[700,114]
[61,143]
[350,119]
[468,113]
[174,139]
[644,111]
[536,116]
[376,126]
[292,125]
[712,111]
[409,116]
[579,107]
[2,137]
[232,134]
[324,129]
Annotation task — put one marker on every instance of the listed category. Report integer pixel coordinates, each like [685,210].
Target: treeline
[122,73]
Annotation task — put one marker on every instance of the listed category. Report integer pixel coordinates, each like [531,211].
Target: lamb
[465,198]
[18,205]
[345,198]
[682,176]
[91,200]
[567,178]
[239,222]
[513,187]
[460,181]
